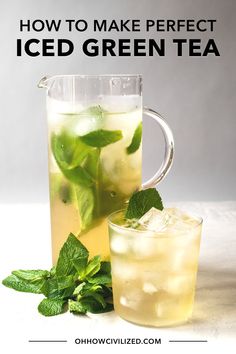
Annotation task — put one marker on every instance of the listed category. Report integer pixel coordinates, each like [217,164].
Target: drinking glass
[154,272]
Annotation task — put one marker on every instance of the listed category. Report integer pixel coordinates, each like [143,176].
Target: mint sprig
[136,140]
[78,158]
[26,286]
[141,202]
[72,252]
[100,138]
[75,283]
[52,307]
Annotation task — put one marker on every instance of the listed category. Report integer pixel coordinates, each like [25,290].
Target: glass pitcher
[95,153]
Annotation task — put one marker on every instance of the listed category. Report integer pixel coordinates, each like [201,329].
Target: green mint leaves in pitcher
[95,153]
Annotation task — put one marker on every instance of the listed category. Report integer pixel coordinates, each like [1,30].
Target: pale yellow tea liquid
[154,274]
[81,201]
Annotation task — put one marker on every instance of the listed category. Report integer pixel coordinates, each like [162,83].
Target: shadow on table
[216,298]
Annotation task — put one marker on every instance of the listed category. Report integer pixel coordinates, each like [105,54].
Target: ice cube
[165,307]
[155,220]
[182,259]
[179,221]
[149,288]
[177,259]
[118,244]
[131,298]
[179,226]
[122,103]
[179,284]
[58,108]
[123,301]
[84,124]
[124,270]
[144,246]
[154,277]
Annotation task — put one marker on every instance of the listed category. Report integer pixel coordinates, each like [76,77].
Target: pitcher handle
[169,149]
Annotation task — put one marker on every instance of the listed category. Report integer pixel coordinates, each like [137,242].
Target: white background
[197,95]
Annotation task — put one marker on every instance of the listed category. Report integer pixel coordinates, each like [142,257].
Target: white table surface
[25,235]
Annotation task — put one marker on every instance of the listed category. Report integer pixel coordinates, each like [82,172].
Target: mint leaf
[91,163]
[78,158]
[101,138]
[105,268]
[101,294]
[61,287]
[52,271]
[72,251]
[107,292]
[65,193]
[69,151]
[92,298]
[65,282]
[86,204]
[76,307]
[87,197]
[93,266]
[100,279]
[100,299]
[51,307]
[61,188]
[93,306]
[78,175]
[89,289]
[83,285]
[13,282]
[50,288]
[136,140]
[31,275]
[103,276]
[141,202]
[80,265]
[79,288]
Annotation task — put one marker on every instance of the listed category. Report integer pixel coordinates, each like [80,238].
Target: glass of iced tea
[154,266]
[95,153]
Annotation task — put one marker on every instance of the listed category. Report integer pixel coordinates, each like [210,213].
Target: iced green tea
[91,171]
[95,153]
[154,266]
